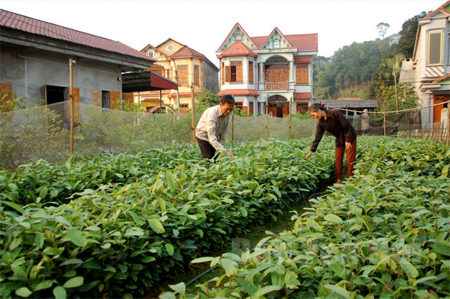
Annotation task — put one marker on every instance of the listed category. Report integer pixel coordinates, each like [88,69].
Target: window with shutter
[250,71]
[302,74]
[182,74]
[228,73]
[236,71]
[196,75]
[5,93]
[96,98]
[223,73]
[115,99]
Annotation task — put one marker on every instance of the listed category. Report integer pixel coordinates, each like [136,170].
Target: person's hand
[229,154]
[308,155]
[348,145]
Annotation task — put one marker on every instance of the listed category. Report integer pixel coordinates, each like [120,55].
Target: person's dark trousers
[208,151]
[351,159]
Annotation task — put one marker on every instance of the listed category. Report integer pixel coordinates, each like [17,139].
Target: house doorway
[438,99]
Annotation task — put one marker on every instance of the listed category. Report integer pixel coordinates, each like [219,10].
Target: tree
[393,66]
[408,33]
[382,29]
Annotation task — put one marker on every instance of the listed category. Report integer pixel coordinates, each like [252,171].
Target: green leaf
[445,170]
[72,262]
[169,248]
[340,292]
[156,226]
[229,266]
[179,288]
[148,259]
[76,236]
[74,282]
[442,248]
[43,192]
[170,180]
[167,295]
[19,273]
[60,293]
[409,269]
[23,292]
[43,285]
[13,205]
[333,218]
[248,286]
[119,175]
[265,290]
[202,260]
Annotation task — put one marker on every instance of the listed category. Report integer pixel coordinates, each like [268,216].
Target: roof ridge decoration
[229,41]
[275,30]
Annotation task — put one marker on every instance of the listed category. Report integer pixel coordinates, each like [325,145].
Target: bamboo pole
[290,119]
[193,113]
[385,126]
[447,138]
[232,127]
[267,118]
[71,108]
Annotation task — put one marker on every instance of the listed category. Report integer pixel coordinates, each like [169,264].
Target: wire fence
[43,132]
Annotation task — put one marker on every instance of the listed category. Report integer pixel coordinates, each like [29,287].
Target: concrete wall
[29,70]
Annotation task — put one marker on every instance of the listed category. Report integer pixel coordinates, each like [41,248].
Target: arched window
[238,36]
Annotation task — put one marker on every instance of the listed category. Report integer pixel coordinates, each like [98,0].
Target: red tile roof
[442,7]
[19,22]
[303,42]
[441,78]
[239,92]
[187,52]
[238,49]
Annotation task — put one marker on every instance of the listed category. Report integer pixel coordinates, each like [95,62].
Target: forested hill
[362,69]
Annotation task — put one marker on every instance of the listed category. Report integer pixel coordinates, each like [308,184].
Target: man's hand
[348,145]
[229,154]
[308,155]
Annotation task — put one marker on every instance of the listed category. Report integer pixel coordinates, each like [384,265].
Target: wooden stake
[71,108]
[385,126]
[267,118]
[193,113]
[232,127]
[290,119]
[448,124]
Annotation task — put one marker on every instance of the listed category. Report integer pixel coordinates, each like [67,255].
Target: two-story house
[276,68]
[184,65]
[429,68]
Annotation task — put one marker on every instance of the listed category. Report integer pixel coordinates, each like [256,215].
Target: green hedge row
[131,221]
[384,234]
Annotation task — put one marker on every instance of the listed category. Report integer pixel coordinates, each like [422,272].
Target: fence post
[71,108]
[290,119]
[267,118]
[232,127]
[385,127]
[193,114]
[447,138]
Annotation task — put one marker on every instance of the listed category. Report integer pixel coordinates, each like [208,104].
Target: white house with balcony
[429,68]
[272,70]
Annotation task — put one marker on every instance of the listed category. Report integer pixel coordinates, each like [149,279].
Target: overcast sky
[203,25]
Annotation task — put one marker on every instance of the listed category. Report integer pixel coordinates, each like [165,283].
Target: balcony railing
[276,85]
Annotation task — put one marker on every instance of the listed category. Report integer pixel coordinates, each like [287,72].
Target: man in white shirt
[211,131]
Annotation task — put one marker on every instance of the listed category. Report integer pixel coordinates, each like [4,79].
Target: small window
[238,36]
[434,51]
[276,43]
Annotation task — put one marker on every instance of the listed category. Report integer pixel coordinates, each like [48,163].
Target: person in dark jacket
[334,122]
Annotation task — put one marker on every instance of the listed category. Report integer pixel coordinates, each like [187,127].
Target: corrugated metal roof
[19,22]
